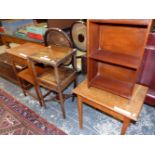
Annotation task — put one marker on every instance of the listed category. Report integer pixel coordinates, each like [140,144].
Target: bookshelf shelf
[116,58]
[115,52]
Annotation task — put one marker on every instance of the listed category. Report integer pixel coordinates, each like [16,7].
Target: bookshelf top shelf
[137,22]
[116,58]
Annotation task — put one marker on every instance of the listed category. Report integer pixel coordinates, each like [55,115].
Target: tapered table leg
[125,125]
[80,112]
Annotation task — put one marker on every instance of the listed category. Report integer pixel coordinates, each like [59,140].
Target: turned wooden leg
[125,125]
[80,111]
[62,104]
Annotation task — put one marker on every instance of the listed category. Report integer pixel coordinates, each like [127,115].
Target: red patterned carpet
[17,119]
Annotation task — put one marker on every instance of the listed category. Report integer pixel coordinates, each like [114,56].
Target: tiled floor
[95,122]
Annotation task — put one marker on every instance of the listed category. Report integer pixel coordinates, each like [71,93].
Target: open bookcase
[115,51]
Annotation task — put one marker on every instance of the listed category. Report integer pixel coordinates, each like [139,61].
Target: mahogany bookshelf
[115,52]
[116,58]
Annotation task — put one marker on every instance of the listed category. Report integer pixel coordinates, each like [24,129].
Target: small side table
[116,106]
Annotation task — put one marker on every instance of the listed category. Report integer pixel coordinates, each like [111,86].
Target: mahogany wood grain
[121,59]
[117,47]
[115,85]
[126,123]
[6,69]
[25,77]
[121,108]
[26,74]
[25,50]
[123,21]
[121,39]
[80,109]
[57,76]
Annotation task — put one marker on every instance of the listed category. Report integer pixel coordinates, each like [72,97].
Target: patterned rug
[17,119]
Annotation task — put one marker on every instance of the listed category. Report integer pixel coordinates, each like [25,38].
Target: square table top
[44,54]
[53,55]
[25,50]
[126,107]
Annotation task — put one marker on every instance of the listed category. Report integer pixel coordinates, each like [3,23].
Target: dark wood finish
[58,37]
[60,23]
[116,58]
[57,77]
[24,50]
[140,22]
[6,69]
[18,56]
[27,76]
[1,41]
[114,105]
[26,79]
[84,64]
[115,52]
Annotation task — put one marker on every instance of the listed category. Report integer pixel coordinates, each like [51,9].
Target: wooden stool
[121,108]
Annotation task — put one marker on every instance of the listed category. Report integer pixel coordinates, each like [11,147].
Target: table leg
[80,111]
[125,125]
